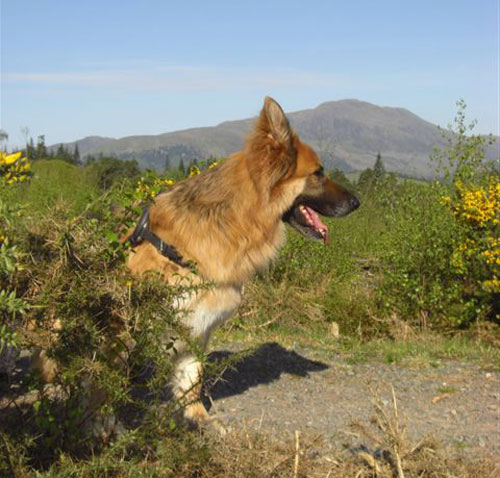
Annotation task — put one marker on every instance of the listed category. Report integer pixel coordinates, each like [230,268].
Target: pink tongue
[318,223]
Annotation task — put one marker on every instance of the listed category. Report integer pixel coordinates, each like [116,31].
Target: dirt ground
[279,391]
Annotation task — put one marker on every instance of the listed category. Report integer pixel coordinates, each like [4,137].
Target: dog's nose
[354,202]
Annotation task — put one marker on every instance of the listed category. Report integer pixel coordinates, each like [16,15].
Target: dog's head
[295,176]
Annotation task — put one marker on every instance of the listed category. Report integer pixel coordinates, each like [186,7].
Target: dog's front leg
[202,314]
[186,386]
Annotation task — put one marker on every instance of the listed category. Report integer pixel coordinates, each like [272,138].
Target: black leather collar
[142,233]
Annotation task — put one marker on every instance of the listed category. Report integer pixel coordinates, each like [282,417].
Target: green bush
[442,261]
[102,327]
[418,283]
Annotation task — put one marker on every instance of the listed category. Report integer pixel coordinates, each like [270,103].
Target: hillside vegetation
[415,270]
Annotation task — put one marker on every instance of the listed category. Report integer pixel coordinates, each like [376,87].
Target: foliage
[109,171]
[476,250]
[378,168]
[112,337]
[102,327]
[13,169]
[372,180]
[463,156]
[182,168]
[152,184]
[366,181]
[443,262]
[418,284]
[339,177]
[41,152]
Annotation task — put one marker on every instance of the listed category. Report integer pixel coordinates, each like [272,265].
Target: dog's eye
[319,172]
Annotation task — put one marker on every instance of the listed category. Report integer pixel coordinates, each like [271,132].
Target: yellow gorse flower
[14,168]
[8,159]
[492,253]
[194,171]
[492,285]
[147,190]
[479,206]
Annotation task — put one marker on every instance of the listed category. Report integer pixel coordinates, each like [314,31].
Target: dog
[230,222]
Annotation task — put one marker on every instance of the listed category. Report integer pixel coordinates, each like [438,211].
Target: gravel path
[280,391]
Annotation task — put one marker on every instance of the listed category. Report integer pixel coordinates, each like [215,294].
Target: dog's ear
[279,127]
[270,146]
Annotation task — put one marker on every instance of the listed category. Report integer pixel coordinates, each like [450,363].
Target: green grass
[447,389]
[422,351]
[55,184]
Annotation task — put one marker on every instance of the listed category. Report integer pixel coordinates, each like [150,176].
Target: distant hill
[348,134]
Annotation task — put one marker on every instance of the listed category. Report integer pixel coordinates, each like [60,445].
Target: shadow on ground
[262,366]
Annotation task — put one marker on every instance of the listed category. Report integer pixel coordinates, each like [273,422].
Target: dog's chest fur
[205,310]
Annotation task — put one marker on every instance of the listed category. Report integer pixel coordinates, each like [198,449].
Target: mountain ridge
[348,134]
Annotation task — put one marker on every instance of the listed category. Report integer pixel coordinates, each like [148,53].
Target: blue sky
[116,68]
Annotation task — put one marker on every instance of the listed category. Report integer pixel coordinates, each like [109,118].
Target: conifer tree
[378,168]
[76,155]
[167,163]
[182,168]
[41,149]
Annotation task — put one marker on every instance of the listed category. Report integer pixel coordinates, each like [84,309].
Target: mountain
[348,134]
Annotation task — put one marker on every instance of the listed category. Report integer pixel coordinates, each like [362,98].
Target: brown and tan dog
[230,222]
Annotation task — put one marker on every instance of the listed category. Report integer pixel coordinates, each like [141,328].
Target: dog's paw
[104,427]
[214,424]
[196,415]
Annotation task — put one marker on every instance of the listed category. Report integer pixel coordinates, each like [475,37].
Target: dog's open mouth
[307,221]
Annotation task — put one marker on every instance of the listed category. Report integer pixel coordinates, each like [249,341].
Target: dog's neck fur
[247,233]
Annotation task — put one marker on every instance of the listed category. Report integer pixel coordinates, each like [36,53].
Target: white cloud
[178,78]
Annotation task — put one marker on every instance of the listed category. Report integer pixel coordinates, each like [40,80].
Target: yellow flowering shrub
[478,206]
[194,171]
[14,168]
[476,255]
[149,186]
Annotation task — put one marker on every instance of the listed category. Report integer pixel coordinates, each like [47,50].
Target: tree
[339,177]
[110,170]
[3,137]
[378,169]
[182,168]
[41,149]
[30,149]
[366,180]
[464,153]
[167,163]
[193,162]
[76,155]
[64,155]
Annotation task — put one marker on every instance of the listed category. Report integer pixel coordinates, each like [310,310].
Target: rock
[335,330]
[8,358]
